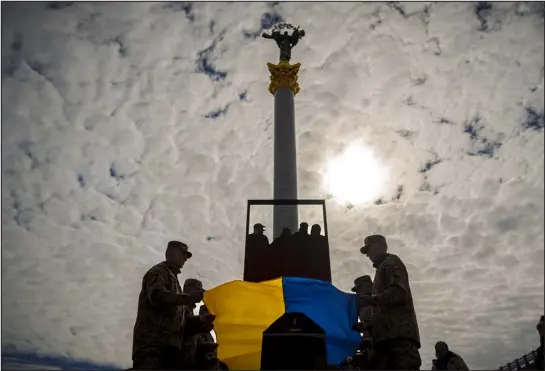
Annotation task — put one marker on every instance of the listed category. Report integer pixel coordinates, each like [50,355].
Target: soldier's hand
[207,321]
[359,327]
[365,300]
[196,296]
[208,347]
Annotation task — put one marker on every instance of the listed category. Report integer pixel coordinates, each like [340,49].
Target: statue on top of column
[285,41]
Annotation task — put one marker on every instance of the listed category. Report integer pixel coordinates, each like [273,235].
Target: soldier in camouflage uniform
[158,331]
[396,338]
[192,286]
[364,286]
[206,357]
[446,359]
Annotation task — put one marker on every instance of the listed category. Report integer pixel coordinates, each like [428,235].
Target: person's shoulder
[157,268]
[392,260]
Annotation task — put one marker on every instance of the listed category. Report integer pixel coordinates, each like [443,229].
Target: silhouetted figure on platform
[280,255]
[316,230]
[255,261]
[446,359]
[316,247]
[303,230]
[282,240]
[298,253]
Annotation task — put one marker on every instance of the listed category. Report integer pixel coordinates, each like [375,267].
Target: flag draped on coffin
[244,310]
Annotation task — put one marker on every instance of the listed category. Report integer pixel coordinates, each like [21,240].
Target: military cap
[361,280]
[193,282]
[180,245]
[375,238]
[258,226]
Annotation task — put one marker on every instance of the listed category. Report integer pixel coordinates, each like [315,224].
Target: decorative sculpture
[285,41]
[284,74]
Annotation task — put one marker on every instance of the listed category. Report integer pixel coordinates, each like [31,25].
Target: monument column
[284,86]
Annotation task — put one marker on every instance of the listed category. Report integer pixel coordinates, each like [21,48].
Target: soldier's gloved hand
[207,321]
[360,327]
[208,347]
[365,300]
[196,296]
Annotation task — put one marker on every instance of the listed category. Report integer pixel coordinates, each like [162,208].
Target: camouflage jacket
[393,310]
[451,362]
[189,345]
[160,317]
[193,329]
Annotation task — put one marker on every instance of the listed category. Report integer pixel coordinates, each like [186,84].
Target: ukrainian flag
[244,310]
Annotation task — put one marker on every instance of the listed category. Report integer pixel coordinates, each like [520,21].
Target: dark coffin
[293,342]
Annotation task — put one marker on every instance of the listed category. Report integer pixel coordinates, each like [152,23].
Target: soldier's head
[286,232]
[375,247]
[539,326]
[259,228]
[303,227]
[192,286]
[315,230]
[441,349]
[177,253]
[363,285]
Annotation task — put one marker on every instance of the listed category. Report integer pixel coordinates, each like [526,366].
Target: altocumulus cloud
[127,124]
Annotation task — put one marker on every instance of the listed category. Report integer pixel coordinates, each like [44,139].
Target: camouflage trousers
[163,358]
[396,354]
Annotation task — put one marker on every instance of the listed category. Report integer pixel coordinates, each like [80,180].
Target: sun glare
[354,177]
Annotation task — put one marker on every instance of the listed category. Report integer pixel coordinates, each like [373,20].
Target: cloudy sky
[125,125]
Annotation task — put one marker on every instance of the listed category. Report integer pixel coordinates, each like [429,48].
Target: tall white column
[284,87]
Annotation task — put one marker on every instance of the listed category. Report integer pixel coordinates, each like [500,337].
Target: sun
[355,176]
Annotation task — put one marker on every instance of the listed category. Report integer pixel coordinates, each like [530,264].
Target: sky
[126,125]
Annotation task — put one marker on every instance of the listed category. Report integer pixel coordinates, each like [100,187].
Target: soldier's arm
[158,293]
[457,363]
[193,326]
[394,276]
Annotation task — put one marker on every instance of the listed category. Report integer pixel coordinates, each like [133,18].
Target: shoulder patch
[153,277]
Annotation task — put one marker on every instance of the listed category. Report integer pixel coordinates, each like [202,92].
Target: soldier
[157,336]
[364,286]
[206,357]
[192,286]
[447,360]
[396,338]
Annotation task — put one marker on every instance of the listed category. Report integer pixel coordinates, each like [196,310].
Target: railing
[526,362]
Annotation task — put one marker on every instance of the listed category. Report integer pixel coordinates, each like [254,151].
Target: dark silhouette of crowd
[169,335]
[298,254]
